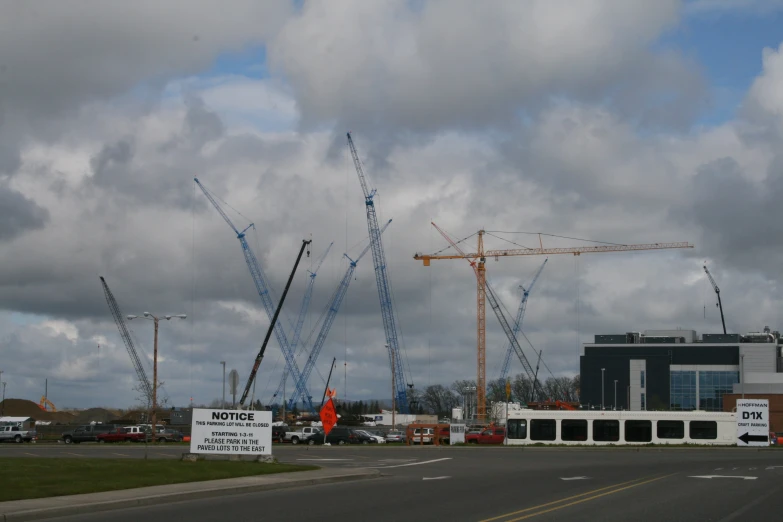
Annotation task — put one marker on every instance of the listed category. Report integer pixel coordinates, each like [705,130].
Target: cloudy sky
[624,122]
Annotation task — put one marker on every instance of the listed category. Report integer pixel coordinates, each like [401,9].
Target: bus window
[671,429]
[517,428]
[573,430]
[704,430]
[638,431]
[543,429]
[606,430]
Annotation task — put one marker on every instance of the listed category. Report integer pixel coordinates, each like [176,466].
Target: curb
[165,498]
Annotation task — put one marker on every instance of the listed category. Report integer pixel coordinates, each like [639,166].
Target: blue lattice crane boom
[262,287]
[383,283]
[302,314]
[518,321]
[334,307]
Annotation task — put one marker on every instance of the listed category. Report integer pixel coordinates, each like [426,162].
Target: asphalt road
[494,484]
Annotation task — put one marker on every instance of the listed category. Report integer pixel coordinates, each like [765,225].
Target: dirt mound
[101,415]
[25,408]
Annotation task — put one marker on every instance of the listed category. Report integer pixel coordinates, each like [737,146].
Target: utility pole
[602,387]
[224,384]
[2,412]
[615,394]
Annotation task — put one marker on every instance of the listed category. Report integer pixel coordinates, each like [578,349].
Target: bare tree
[439,400]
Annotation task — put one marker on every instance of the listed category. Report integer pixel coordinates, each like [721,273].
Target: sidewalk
[36,509]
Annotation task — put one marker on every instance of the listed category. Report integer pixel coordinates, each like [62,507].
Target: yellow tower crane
[478,259]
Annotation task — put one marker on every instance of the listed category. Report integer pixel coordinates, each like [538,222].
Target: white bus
[591,427]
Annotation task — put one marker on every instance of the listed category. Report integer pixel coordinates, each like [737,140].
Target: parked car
[19,434]
[87,433]
[169,435]
[295,437]
[494,435]
[373,436]
[423,435]
[339,435]
[121,435]
[395,436]
[472,436]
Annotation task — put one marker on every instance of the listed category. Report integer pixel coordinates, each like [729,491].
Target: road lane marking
[412,463]
[327,460]
[632,483]
[721,476]
[574,478]
[773,467]
[31,454]
[718,469]
[436,478]
[74,454]
[121,454]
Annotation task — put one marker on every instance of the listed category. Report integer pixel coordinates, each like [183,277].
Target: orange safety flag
[328,416]
[331,393]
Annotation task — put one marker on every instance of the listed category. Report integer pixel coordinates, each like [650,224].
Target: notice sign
[457,434]
[752,422]
[231,432]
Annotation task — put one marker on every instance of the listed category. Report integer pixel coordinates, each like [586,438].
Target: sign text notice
[752,422]
[231,432]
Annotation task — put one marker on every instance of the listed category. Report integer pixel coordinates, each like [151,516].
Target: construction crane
[262,287]
[334,307]
[481,256]
[303,313]
[494,304]
[46,405]
[119,319]
[383,283]
[518,321]
[717,292]
[252,377]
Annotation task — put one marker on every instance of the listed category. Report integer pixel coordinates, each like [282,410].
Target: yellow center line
[561,500]
[587,499]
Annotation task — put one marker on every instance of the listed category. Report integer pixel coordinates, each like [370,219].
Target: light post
[742,374]
[602,387]
[224,385]
[155,319]
[615,394]
[3,410]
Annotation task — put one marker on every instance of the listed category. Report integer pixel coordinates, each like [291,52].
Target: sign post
[233,381]
[752,422]
[508,397]
[231,432]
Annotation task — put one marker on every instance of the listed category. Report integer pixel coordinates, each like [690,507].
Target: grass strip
[25,478]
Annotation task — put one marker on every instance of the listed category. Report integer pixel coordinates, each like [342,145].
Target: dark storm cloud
[19,214]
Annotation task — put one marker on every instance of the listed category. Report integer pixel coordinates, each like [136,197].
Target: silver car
[395,436]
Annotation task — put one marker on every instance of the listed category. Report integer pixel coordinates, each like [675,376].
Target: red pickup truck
[494,435]
[122,435]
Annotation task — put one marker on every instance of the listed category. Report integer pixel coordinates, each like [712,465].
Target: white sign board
[231,432]
[752,422]
[457,434]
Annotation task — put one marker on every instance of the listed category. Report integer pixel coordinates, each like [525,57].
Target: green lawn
[23,478]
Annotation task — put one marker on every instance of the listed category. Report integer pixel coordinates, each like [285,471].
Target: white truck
[17,433]
[295,437]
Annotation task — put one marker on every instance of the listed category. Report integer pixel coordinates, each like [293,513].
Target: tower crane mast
[480,256]
[717,292]
[383,283]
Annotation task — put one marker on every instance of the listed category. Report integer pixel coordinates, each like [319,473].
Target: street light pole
[602,387]
[394,415]
[2,412]
[224,384]
[615,394]
[742,374]
[155,319]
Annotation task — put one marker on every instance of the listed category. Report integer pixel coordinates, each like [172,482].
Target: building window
[671,429]
[638,431]
[573,429]
[543,429]
[517,428]
[642,378]
[682,391]
[704,430]
[712,387]
[606,430]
